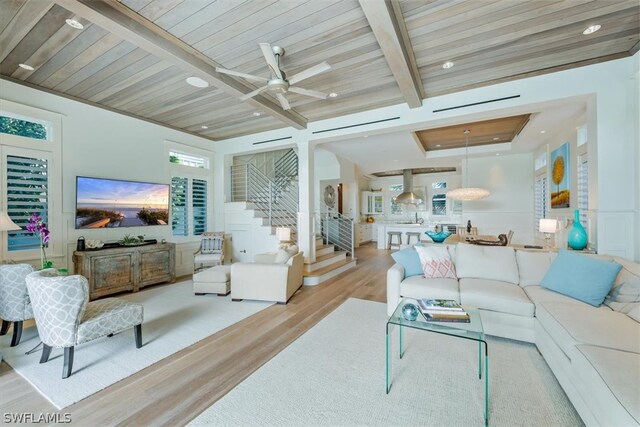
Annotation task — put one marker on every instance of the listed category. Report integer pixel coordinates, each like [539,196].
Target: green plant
[129,240]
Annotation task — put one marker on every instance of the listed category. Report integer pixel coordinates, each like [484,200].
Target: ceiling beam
[134,28]
[385,19]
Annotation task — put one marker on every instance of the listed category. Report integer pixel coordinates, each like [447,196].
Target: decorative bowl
[438,237]
[410,312]
[93,244]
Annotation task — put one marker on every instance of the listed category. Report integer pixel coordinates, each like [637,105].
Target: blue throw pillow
[581,277]
[409,259]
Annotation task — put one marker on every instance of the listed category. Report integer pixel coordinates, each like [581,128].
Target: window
[188,160]
[541,161]
[437,185]
[540,194]
[439,204]
[179,201]
[26,128]
[199,206]
[396,188]
[456,207]
[27,193]
[583,187]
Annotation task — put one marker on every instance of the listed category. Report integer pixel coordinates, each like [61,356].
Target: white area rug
[334,375]
[174,318]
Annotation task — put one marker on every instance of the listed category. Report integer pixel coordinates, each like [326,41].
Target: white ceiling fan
[278,84]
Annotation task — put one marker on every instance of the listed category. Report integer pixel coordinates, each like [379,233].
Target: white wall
[99,143]
[510,205]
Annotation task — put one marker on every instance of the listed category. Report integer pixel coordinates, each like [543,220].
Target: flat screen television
[112,203]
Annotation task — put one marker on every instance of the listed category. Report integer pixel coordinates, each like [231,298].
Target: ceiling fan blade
[270,57]
[308,92]
[243,75]
[252,93]
[310,72]
[283,101]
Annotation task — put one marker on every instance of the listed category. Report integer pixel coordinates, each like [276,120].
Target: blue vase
[577,236]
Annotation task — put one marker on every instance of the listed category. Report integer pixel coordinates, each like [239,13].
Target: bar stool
[390,242]
[411,234]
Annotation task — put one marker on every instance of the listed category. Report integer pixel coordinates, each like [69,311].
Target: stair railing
[286,170]
[278,206]
[336,229]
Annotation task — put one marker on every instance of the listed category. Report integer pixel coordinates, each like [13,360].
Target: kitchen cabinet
[365,233]
[372,203]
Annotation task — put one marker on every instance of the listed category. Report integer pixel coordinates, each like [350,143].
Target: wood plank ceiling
[489,41]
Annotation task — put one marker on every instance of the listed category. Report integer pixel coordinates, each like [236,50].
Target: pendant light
[467,193]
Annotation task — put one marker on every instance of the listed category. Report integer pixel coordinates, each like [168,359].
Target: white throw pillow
[532,266]
[487,262]
[624,295]
[282,256]
[436,262]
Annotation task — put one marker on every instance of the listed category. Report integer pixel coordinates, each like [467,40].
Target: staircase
[274,201]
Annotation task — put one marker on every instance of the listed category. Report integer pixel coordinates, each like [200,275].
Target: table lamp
[6,224]
[548,227]
[284,236]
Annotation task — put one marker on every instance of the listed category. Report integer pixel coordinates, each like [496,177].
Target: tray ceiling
[134,56]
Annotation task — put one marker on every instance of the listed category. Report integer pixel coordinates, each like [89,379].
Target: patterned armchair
[15,305]
[211,251]
[65,317]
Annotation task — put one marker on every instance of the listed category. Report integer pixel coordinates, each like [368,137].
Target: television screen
[110,203]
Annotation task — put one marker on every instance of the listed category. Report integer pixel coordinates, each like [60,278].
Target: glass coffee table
[470,331]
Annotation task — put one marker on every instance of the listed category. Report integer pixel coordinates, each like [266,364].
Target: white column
[221,188]
[306,231]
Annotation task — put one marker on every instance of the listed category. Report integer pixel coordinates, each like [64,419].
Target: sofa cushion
[585,278]
[436,262]
[539,295]
[573,324]
[624,295]
[487,262]
[532,266]
[420,287]
[612,378]
[408,258]
[494,295]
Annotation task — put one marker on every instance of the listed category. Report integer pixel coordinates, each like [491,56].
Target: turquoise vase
[577,237]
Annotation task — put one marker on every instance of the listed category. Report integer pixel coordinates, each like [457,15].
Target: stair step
[325,260]
[324,250]
[318,276]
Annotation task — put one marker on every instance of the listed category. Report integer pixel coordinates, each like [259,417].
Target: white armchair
[211,251]
[267,279]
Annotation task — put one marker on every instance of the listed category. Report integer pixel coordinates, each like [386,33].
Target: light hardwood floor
[178,388]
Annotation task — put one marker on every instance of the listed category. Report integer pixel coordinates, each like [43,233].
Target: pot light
[256,114]
[26,67]
[204,127]
[496,138]
[74,24]
[447,65]
[197,82]
[333,95]
[396,160]
[591,29]
[497,154]
[543,131]
[438,145]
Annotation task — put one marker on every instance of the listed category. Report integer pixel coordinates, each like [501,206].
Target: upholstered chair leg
[46,352]
[5,327]
[17,333]
[68,362]
[138,329]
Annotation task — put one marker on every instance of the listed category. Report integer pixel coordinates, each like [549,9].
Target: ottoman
[214,280]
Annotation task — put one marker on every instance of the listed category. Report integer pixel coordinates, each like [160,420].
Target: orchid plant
[37,225]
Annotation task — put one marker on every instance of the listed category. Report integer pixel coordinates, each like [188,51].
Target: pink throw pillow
[436,262]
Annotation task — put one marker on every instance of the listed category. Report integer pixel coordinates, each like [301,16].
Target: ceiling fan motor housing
[278,85]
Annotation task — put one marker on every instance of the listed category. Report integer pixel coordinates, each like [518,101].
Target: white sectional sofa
[594,352]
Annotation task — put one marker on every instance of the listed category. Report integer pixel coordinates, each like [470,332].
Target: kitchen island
[404,228]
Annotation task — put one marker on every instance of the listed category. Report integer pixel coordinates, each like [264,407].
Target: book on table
[440,310]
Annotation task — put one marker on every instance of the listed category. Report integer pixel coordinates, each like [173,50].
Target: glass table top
[472,330]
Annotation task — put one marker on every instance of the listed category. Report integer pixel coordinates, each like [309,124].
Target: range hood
[408,197]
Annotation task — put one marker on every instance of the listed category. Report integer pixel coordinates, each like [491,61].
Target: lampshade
[466,194]
[548,225]
[283,234]
[6,224]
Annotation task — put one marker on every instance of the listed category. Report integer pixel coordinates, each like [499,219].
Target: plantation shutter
[199,203]
[27,193]
[540,194]
[179,203]
[583,187]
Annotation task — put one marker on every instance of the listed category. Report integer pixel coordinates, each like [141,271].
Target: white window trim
[50,149]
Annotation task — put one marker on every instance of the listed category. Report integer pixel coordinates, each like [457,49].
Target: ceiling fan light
[467,194]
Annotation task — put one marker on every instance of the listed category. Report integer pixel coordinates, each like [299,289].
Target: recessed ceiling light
[74,24]
[197,82]
[26,67]
[438,145]
[256,114]
[496,138]
[366,136]
[447,65]
[333,95]
[204,127]
[497,154]
[543,131]
[396,160]
[591,29]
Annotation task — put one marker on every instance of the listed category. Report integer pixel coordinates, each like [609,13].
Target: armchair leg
[138,329]
[68,362]
[17,333]
[46,352]
[5,327]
